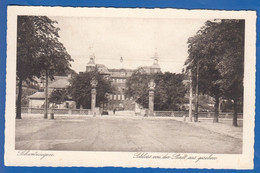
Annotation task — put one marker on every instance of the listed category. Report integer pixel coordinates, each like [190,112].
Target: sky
[136,40]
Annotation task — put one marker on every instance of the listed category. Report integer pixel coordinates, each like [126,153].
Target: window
[123,97]
[114,97]
[119,97]
[111,97]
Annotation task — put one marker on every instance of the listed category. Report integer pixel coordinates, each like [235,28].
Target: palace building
[118,77]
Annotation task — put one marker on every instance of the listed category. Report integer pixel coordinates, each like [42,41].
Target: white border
[125,159]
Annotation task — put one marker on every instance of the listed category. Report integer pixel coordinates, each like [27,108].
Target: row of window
[117,97]
[119,80]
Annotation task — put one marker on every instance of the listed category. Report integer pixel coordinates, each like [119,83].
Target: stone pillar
[93,99]
[151,86]
[151,102]
[93,83]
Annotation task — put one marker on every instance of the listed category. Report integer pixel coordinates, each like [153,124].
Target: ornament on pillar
[151,86]
[93,84]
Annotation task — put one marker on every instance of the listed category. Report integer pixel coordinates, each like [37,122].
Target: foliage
[38,47]
[80,89]
[39,52]
[169,90]
[58,96]
[218,51]
[26,92]
[205,103]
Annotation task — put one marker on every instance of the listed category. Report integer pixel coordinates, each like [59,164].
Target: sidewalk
[224,126]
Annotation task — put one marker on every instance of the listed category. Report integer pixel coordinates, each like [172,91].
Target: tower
[121,61]
[91,65]
[155,68]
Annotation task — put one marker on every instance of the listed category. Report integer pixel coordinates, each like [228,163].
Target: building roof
[41,95]
[122,73]
[117,73]
[155,66]
[60,83]
[102,69]
[38,95]
[117,70]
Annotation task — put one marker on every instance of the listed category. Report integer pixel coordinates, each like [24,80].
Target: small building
[37,99]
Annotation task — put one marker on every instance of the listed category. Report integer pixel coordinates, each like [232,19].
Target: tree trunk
[235,113]
[216,112]
[19,100]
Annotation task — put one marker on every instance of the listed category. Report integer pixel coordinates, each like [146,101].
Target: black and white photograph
[150,85]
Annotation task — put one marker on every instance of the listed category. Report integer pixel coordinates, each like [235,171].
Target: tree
[203,55]
[169,90]
[231,66]
[80,89]
[217,50]
[58,96]
[39,52]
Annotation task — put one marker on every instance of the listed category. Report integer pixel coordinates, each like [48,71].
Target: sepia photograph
[139,83]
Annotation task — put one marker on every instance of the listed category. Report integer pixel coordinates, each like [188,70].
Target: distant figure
[114,110]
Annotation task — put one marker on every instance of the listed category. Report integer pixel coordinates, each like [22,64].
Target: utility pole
[197,95]
[190,99]
[46,96]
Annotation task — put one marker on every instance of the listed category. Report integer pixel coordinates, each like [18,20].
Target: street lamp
[197,94]
[46,96]
[190,98]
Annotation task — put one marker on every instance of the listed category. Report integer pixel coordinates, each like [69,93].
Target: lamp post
[197,95]
[46,96]
[151,86]
[190,98]
[93,84]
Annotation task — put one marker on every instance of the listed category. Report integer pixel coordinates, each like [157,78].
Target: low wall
[157,113]
[55,111]
[201,114]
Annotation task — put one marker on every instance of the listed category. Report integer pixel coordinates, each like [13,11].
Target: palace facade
[119,77]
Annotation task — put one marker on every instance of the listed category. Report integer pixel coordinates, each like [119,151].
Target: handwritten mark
[41,155]
[184,157]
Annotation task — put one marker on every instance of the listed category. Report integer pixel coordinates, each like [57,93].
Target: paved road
[121,134]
